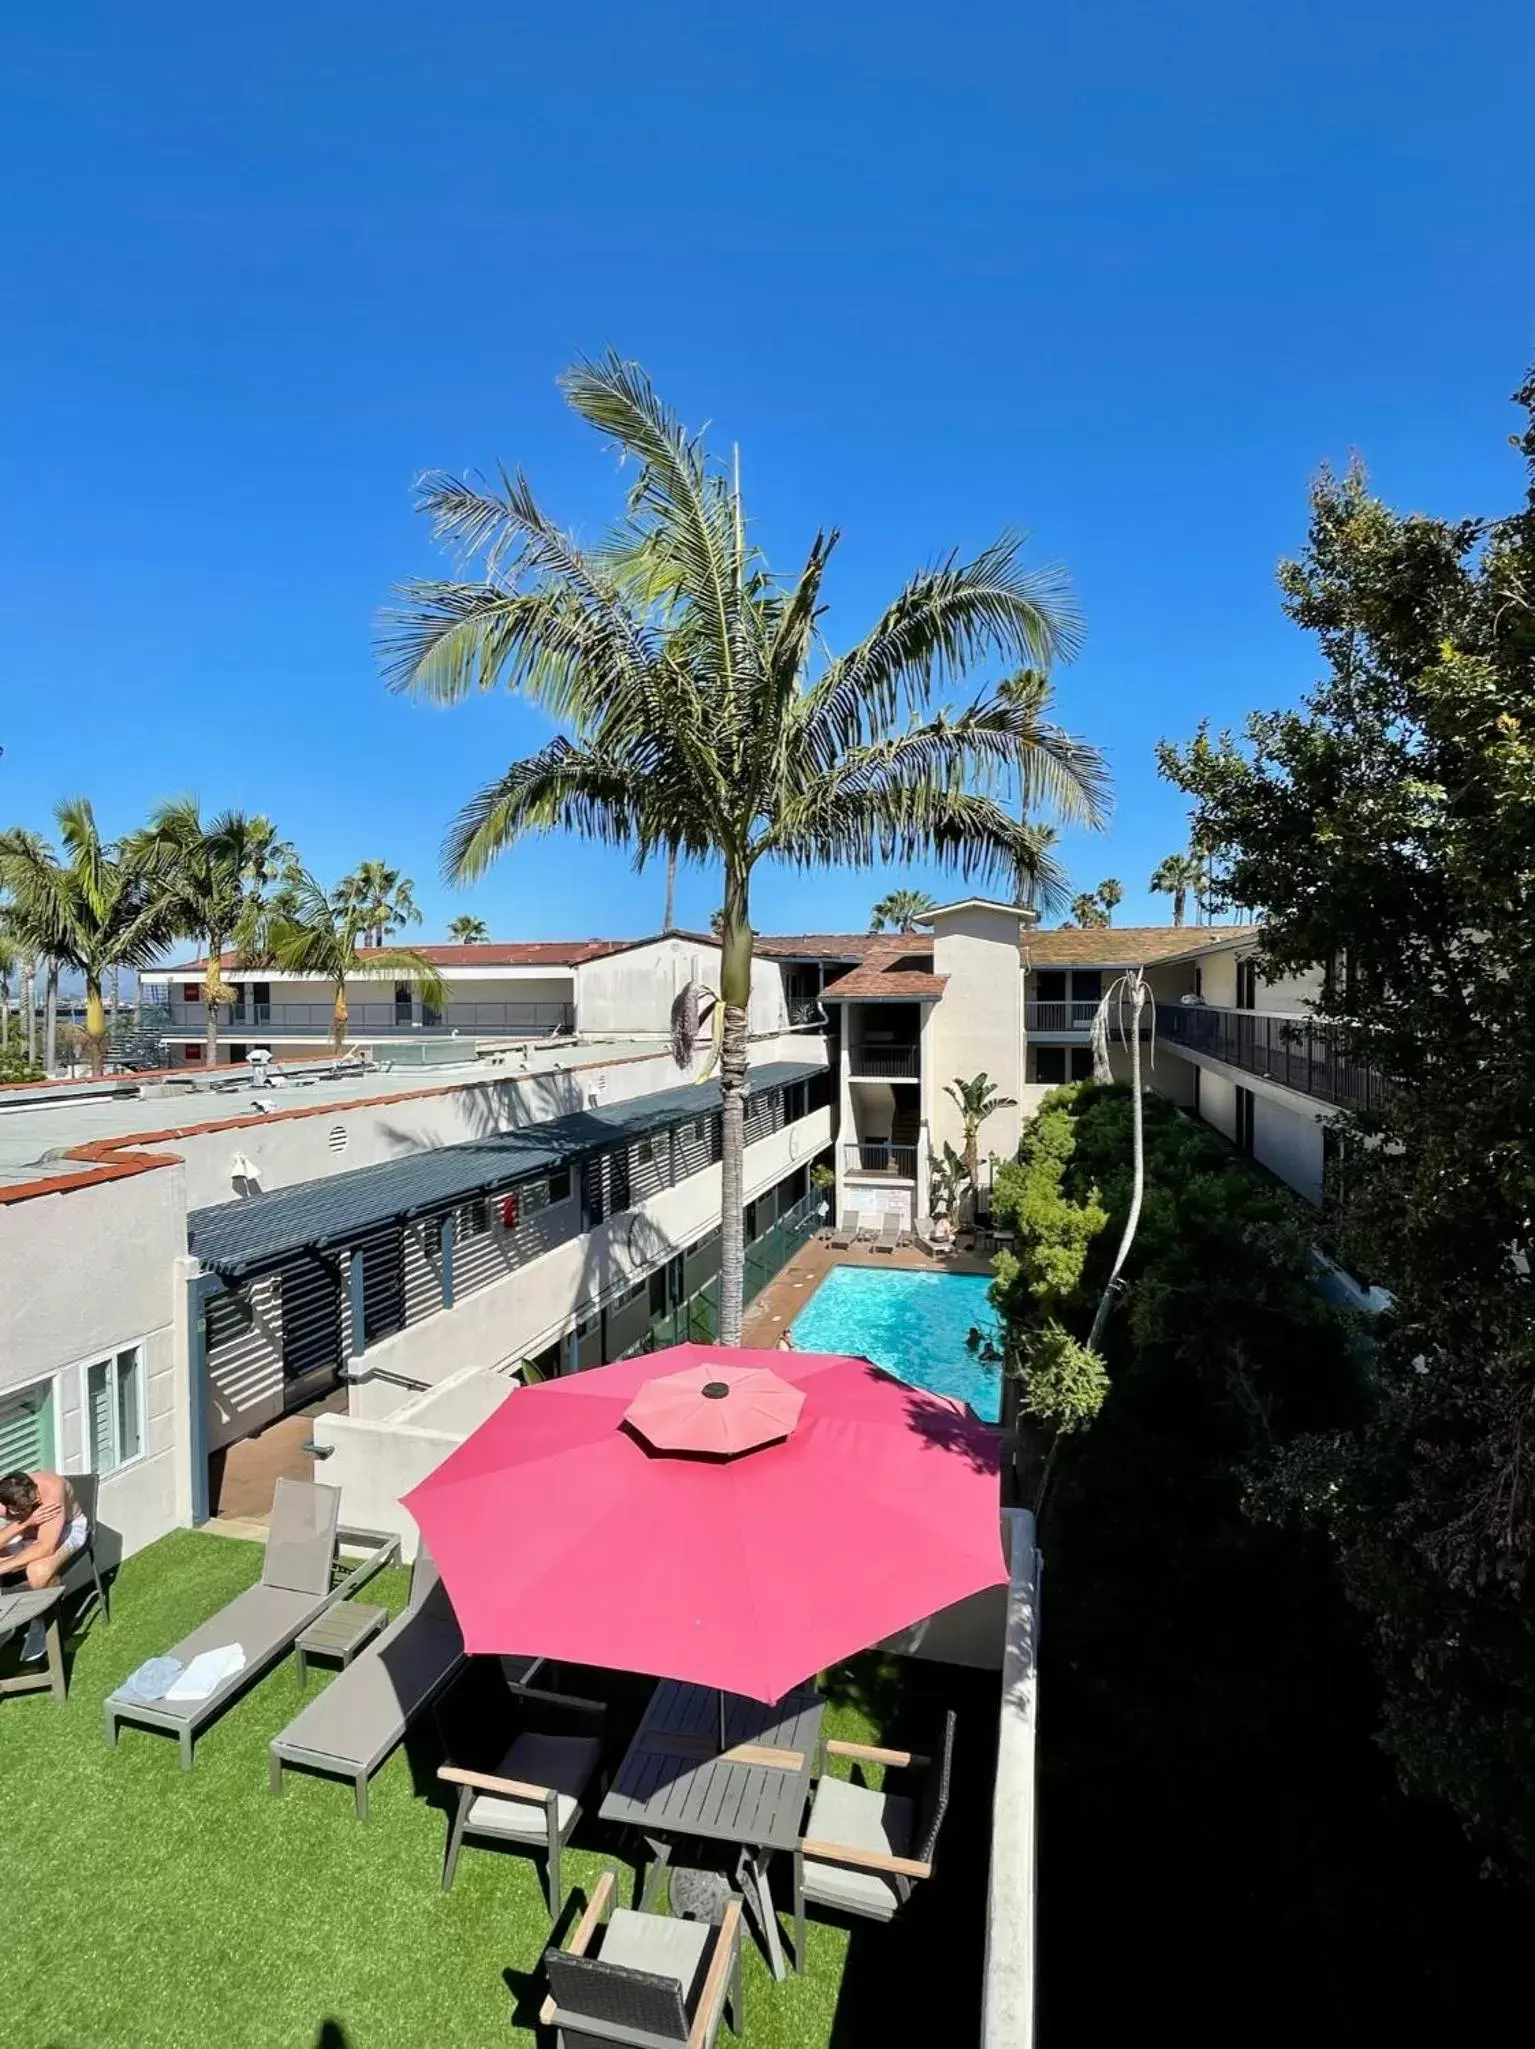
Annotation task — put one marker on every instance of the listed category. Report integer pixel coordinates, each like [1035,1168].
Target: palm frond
[561,788]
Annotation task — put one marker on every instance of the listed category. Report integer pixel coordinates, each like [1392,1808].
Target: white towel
[207,1673]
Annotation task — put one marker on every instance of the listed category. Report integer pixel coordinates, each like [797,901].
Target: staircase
[906,1119]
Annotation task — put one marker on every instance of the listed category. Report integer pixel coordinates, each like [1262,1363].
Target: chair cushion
[563,1763]
[664,1947]
[863,1820]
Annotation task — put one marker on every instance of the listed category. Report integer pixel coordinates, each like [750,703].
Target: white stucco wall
[1218,1102]
[633,991]
[85,1274]
[978,1024]
[1289,1143]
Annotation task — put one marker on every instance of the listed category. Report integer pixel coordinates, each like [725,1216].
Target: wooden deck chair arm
[568,1700]
[870,1753]
[719,1972]
[586,1928]
[865,1860]
[487,1782]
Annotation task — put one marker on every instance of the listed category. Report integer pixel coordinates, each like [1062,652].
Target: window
[559,1186]
[1081,1063]
[644,1152]
[193,1052]
[191,992]
[657,1286]
[1050,985]
[1087,985]
[474,1218]
[1244,1121]
[1050,1064]
[26,1428]
[1247,983]
[113,1398]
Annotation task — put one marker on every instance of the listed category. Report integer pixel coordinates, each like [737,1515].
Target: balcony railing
[876,1156]
[1295,1052]
[366,1020]
[885,1063]
[1075,1016]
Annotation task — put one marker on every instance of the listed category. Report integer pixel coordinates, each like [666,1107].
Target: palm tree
[10,960]
[900,909]
[1086,910]
[210,873]
[976,1100]
[306,930]
[1056,773]
[1111,895]
[90,912]
[384,896]
[1027,889]
[1180,876]
[469,931]
[670,917]
[703,712]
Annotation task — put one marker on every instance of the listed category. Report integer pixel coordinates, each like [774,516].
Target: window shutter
[26,1431]
[98,1415]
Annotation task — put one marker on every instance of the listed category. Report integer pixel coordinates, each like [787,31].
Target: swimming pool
[914,1324]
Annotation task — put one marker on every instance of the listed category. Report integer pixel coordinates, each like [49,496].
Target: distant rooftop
[493,953]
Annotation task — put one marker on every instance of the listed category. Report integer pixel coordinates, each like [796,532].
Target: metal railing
[364,1019]
[885,1063]
[1294,1051]
[877,1156]
[1075,1016]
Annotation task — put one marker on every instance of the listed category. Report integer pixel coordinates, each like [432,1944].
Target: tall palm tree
[976,1100]
[469,931]
[702,710]
[10,960]
[1111,894]
[1027,886]
[1180,876]
[307,930]
[209,872]
[90,911]
[1087,911]
[1056,773]
[385,898]
[900,909]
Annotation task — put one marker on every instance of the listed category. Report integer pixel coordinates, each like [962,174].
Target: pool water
[913,1324]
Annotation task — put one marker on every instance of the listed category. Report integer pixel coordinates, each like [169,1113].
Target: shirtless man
[43,1527]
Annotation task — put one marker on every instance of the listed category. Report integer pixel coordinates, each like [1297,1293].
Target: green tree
[1386,828]
[1111,894]
[469,931]
[1180,876]
[10,961]
[976,1100]
[900,909]
[383,898]
[306,930]
[702,712]
[84,908]
[207,873]
[1087,911]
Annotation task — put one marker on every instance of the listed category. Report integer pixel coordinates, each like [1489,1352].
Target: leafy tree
[703,714]
[305,930]
[1180,876]
[84,908]
[384,899]
[469,931]
[1386,827]
[207,874]
[900,909]
[976,1100]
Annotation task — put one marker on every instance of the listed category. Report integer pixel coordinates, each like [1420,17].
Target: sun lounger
[364,1714]
[267,1619]
[847,1231]
[891,1231]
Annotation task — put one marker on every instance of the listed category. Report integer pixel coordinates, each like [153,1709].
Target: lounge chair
[80,1583]
[267,1619]
[847,1231]
[648,1981]
[530,1799]
[365,1713]
[863,1851]
[891,1231]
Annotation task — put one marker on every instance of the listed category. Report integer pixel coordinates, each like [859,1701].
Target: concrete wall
[533,1306]
[1289,1143]
[1008,2012]
[978,1024]
[85,1274]
[633,991]
[1218,1102]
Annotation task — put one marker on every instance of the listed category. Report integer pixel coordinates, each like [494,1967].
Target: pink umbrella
[717,1411]
[562,1531]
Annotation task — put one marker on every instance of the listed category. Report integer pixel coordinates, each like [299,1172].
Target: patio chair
[267,1619]
[80,1583]
[365,1713]
[644,1979]
[891,1231]
[531,1798]
[847,1231]
[864,1851]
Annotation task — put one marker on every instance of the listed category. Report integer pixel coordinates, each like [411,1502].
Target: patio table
[19,1608]
[675,1782]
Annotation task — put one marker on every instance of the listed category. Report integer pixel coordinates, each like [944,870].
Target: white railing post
[1007,2020]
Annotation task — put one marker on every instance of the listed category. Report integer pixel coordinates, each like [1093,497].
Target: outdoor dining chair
[864,1850]
[531,1797]
[644,1979]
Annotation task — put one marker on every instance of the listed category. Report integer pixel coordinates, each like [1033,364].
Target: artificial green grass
[192,1910]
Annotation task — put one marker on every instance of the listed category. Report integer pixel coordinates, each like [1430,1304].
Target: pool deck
[787,1293]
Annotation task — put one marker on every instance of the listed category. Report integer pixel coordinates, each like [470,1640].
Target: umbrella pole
[723,1745]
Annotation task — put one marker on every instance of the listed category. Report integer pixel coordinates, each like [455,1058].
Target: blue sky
[1119,274]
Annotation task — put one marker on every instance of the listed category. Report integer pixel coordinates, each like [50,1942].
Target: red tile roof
[870,983]
[493,953]
[831,945]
